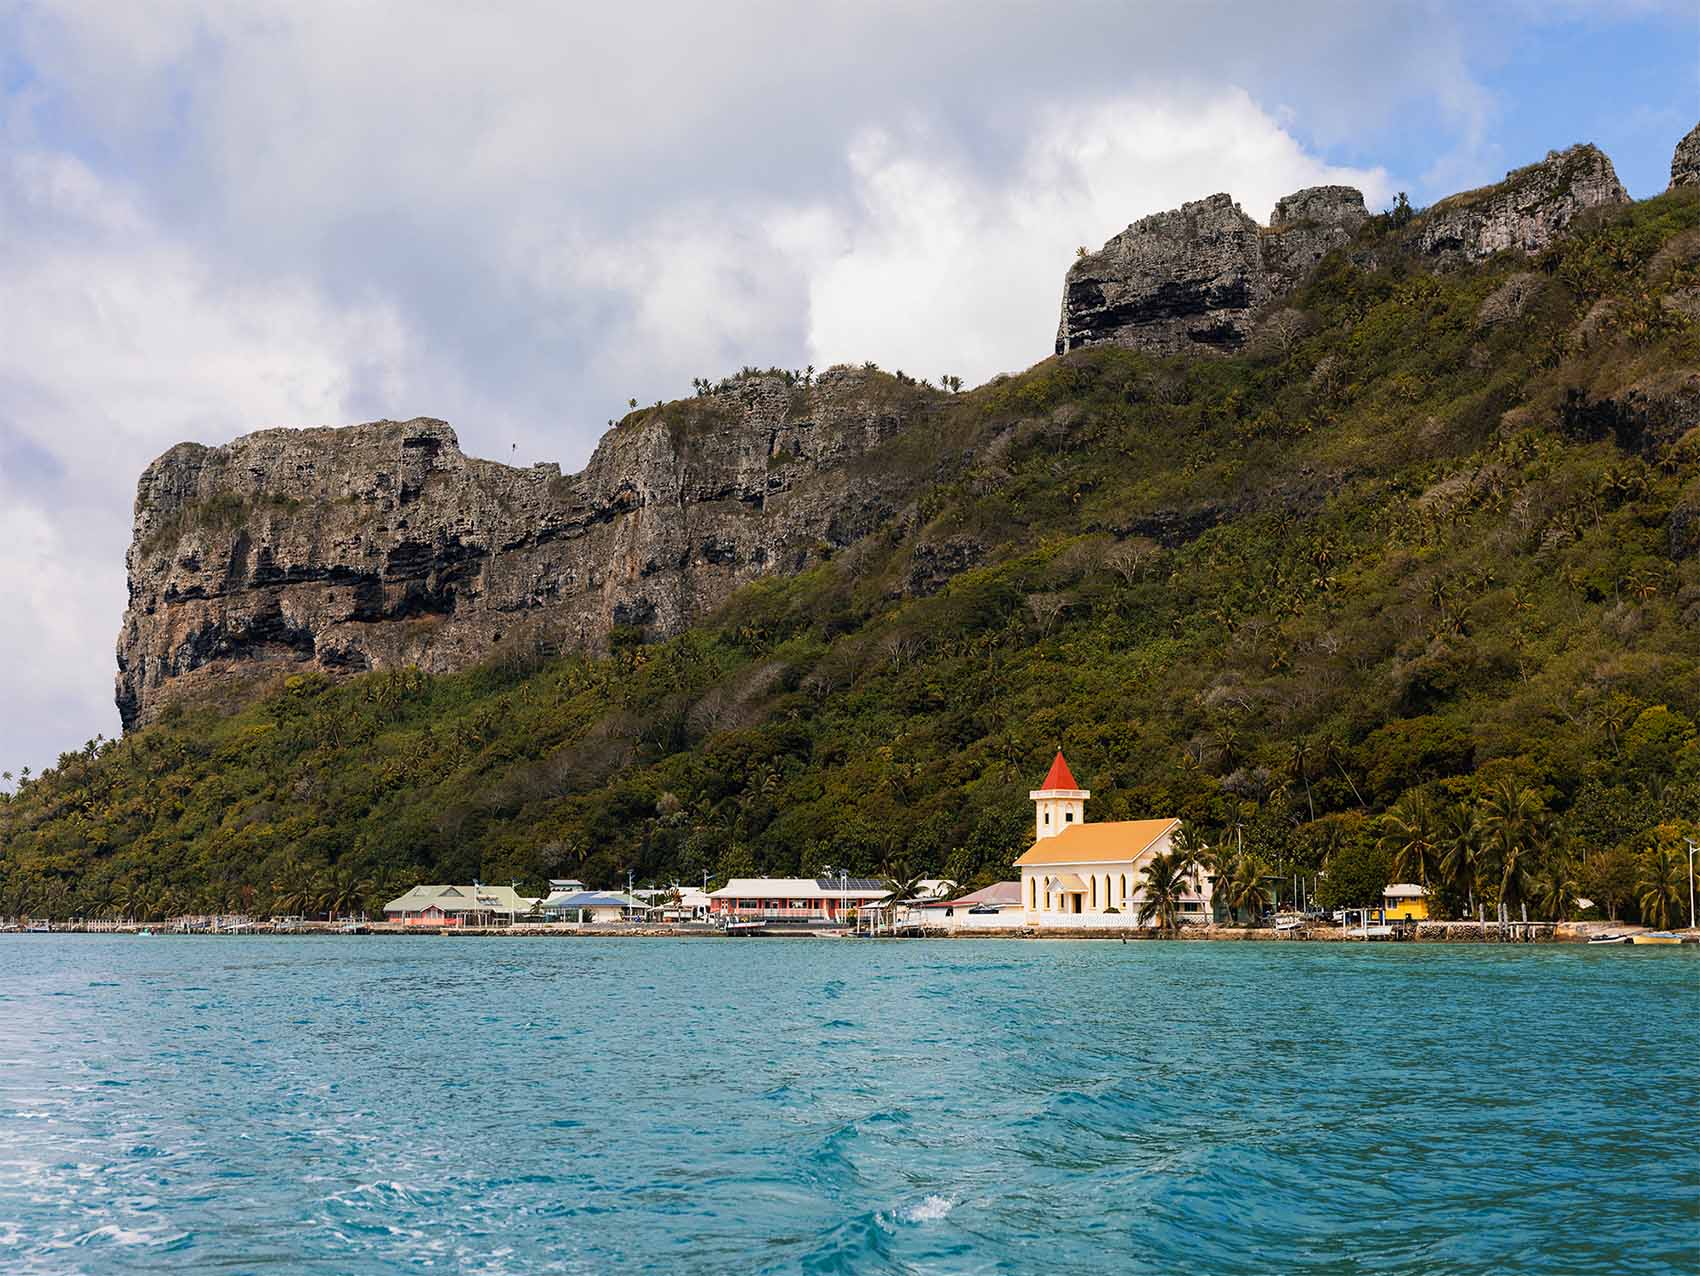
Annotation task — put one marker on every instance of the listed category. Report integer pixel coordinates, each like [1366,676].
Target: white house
[1093,875]
[994,907]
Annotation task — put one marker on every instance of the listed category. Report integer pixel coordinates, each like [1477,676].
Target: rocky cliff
[1525,212]
[383,545]
[1685,164]
[1192,278]
[1196,278]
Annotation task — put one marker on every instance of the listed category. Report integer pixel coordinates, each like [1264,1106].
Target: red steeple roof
[1059,776]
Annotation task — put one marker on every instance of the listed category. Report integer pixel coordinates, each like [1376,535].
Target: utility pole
[1692,847]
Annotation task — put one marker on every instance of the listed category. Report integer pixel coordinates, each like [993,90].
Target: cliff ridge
[382,545]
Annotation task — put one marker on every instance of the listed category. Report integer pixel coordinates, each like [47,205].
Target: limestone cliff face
[1685,164]
[1195,279]
[383,545]
[1527,211]
[1192,278]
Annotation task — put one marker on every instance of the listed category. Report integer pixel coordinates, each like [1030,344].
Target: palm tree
[1298,762]
[1555,887]
[1408,830]
[292,889]
[1193,855]
[1513,824]
[1458,842]
[344,889]
[1334,751]
[1245,886]
[1661,885]
[101,899]
[898,889]
[1165,883]
[131,895]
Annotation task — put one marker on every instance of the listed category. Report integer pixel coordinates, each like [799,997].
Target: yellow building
[1405,902]
[1081,875]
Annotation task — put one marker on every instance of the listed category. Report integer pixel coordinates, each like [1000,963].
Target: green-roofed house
[475,905]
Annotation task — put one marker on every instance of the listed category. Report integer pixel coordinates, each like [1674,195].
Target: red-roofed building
[1079,874]
[1059,801]
[1059,778]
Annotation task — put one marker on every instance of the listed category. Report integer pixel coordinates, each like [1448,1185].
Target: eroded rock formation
[1196,278]
[383,545]
[1527,211]
[1193,278]
[1685,164]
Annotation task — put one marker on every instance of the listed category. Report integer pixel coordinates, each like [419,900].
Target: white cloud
[939,270]
[115,343]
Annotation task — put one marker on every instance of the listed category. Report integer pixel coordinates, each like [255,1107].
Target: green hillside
[1433,545]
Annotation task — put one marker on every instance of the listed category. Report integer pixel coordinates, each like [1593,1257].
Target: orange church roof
[1059,776]
[1109,842]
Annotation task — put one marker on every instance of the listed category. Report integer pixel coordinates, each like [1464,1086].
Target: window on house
[1069,817]
[1047,817]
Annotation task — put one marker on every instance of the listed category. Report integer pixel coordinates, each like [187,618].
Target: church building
[1082,875]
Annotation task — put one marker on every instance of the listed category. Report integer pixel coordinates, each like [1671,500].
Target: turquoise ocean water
[379,1105]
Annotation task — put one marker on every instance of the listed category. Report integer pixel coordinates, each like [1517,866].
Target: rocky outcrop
[1685,164]
[1192,278]
[1196,278]
[1531,208]
[383,545]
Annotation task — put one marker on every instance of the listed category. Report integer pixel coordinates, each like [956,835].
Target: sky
[218,216]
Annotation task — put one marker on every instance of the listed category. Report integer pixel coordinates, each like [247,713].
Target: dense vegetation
[1411,590]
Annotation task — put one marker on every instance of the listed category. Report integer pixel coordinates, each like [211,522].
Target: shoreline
[1428,932]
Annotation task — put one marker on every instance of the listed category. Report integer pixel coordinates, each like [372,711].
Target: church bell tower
[1059,802]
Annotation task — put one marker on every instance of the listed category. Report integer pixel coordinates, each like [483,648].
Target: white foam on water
[928,1210]
[116,1235]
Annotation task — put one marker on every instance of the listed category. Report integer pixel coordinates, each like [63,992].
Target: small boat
[40,928]
[144,932]
[1656,937]
[1609,939]
[1289,921]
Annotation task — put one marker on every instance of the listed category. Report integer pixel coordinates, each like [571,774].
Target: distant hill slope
[1436,524]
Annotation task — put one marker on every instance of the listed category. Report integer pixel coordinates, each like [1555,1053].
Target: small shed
[1405,902]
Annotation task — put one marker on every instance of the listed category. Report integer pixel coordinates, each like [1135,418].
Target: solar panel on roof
[850,884]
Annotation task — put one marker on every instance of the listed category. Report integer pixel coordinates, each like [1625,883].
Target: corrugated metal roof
[797,888]
[461,899]
[996,893]
[1110,842]
[589,899]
